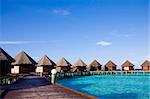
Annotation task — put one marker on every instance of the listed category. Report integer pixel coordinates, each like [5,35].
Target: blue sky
[86,29]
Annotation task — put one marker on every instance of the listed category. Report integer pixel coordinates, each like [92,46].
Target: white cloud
[28,42]
[14,42]
[117,33]
[145,57]
[61,12]
[103,43]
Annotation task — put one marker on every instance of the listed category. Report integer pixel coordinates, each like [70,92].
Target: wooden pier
[39,88]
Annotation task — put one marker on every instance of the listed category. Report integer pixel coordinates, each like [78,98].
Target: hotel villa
[23,63]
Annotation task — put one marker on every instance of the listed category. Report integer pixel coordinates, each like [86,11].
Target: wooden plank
[39,88]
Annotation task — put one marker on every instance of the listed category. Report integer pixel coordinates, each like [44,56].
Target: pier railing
[7,80]
[10,79]
[90,73]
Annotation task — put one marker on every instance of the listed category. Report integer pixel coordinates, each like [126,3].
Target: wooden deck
[39,88]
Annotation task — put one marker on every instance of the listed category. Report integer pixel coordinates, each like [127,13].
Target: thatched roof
[63,62]
[146,63]
[45,61]
[5,56]
[110,64]
[79,63]
[95,63]
[23,58]
[127,64]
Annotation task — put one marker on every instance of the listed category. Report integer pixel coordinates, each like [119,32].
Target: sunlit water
[111,86]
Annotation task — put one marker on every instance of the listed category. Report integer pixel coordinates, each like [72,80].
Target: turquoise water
[111,86]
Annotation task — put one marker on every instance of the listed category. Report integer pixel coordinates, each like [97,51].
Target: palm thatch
[5,56]
[63,62]
[110,64]
[95,65]
[127,64]
[23,58]
[79,63]
[146,63]
[45,61]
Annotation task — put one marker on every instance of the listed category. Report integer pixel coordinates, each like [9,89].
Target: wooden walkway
[39,88]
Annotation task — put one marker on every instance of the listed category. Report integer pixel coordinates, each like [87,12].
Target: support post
[41,74]
[53,76]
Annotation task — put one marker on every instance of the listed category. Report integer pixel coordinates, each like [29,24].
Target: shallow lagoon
[111,86]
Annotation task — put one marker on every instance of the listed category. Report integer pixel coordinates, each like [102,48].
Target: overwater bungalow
[45,65]
[5,63]
[79,65]
[63,65]
[23,64]
[146,66]
[127,66]
[110,66]
[95,66]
